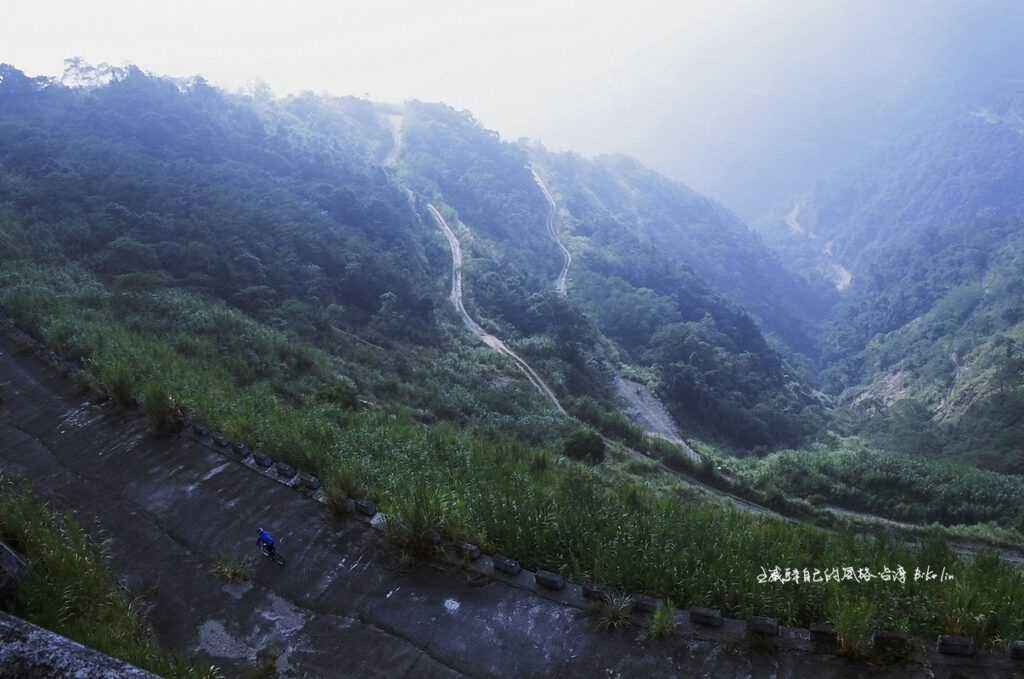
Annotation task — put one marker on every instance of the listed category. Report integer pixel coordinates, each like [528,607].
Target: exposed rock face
[31,652]
[881,394]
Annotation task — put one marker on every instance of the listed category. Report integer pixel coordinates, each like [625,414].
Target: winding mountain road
[490,340]
[552,222]
[642,406]
[839,275]
[397,122]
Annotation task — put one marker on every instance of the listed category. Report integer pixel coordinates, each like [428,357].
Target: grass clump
[415,515]
[614,612]
[119,381]
[71,591]
[233,570]
[663,622]
[853,619]
[162,411]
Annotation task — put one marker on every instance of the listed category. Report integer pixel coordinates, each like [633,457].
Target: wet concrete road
[341,607]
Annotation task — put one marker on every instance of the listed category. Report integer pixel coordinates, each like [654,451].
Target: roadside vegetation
[233,570]
[900,487]
[479,485]
[71,590]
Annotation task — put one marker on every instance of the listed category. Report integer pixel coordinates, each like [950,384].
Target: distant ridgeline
[169,205]
[158,201]
[928,343]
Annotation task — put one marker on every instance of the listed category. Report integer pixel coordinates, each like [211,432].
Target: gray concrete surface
[342,606]
[30,652]
[13,571]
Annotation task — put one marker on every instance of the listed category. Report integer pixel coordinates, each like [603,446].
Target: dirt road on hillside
[552,222]
[839,275]
[490,340]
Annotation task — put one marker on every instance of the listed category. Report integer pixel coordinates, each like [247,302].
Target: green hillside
[271,267]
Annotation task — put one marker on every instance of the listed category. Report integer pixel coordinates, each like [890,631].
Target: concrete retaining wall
[30,652]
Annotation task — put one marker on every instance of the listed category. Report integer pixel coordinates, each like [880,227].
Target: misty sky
[722,95]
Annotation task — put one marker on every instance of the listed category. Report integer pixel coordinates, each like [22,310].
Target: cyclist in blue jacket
[266,542]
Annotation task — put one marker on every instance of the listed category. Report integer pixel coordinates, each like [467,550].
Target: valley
[597,371]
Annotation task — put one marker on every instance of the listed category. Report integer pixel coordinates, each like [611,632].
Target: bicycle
[272,555]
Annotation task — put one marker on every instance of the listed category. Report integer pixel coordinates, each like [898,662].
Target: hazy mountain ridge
[631,288]
[694,229]
[927,337]
[281,208]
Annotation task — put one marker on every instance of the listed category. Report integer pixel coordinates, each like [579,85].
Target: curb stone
[708,617]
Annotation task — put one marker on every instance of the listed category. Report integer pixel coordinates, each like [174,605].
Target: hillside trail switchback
[490,340]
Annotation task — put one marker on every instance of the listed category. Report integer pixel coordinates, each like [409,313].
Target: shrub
[342,393]
[585,446]
[614,612]
[164,414]
[118,380]
[663,622]
[233,570]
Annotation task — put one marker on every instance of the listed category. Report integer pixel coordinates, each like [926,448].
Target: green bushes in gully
[530,503]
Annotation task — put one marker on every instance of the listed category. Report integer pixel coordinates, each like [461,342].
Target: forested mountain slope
[615,201]
[170,201]
[270,267]
[927,340]
[664,272]
[179,210]
[631,299]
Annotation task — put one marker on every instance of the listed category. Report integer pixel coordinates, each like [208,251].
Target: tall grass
[71,591]
[523,501]
[854,619]
[895,486]
[663,622]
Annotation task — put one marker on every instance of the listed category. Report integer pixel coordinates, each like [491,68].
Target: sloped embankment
[29,651]
[173,508]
